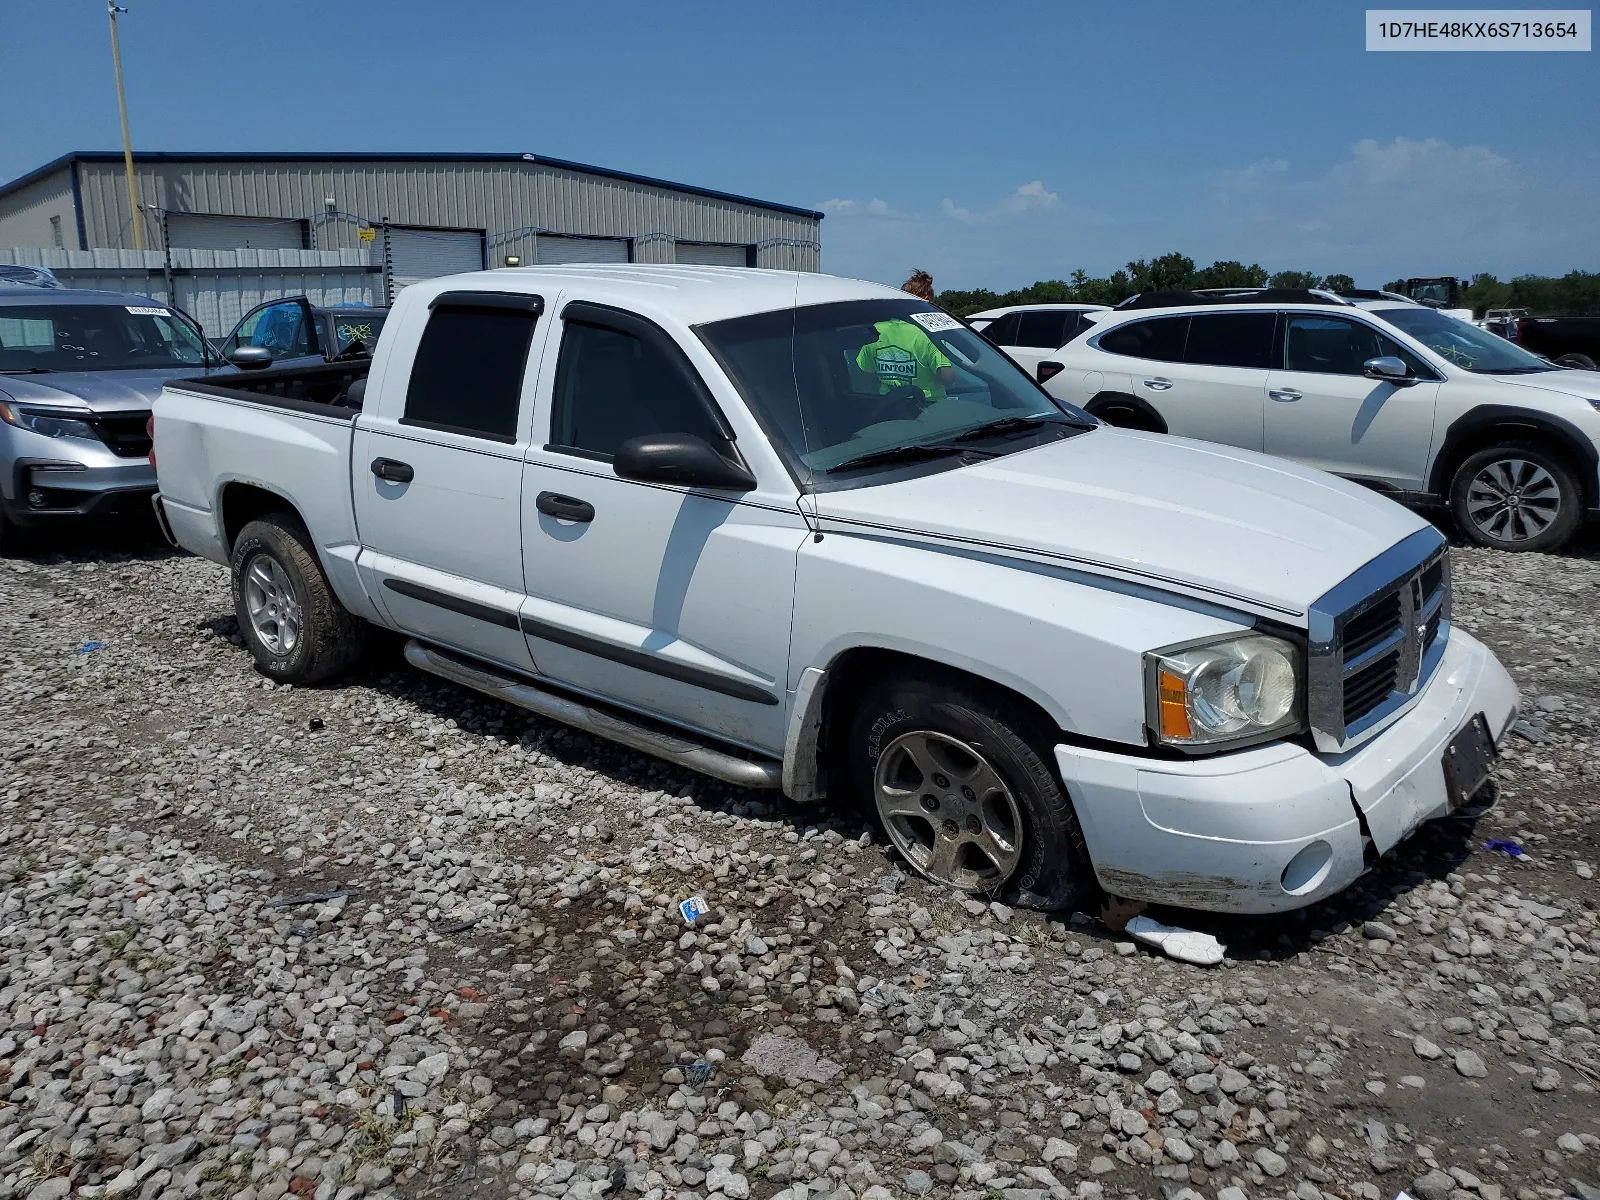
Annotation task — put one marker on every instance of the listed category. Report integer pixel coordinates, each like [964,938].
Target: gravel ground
[482,984]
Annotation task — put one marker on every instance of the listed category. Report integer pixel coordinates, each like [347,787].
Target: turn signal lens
[1172,706]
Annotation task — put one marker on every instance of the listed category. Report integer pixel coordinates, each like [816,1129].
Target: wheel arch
[1104,401]
[240,502]
[1489,424]
[813,754]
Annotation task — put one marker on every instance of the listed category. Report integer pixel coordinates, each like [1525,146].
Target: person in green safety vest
[903,353]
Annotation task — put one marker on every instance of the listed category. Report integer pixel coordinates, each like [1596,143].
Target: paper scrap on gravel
[1185,945]
[789,1058]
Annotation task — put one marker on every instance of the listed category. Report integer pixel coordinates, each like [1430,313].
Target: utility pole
[127,147]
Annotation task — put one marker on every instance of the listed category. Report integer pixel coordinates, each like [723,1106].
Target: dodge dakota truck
[810,533]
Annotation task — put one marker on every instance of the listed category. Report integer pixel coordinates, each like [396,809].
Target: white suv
[1030,333]
[1386,392]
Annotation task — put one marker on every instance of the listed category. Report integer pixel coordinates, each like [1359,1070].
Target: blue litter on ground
[698,1073]
[693,909]
[1506,846]
[91,647]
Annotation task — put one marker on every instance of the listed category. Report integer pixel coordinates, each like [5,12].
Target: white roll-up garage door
[208,231]
[418,254]
[712,254]
[553,248]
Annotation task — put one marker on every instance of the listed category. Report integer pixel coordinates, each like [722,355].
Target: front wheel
[960,780]
[1516,496]
[289,617]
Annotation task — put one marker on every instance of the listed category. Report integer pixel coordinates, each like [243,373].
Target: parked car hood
[98,391]
[1583,385]
[1221,524]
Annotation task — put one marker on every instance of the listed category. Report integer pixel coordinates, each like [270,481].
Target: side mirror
[1388,369]
[251,358]
[682,459]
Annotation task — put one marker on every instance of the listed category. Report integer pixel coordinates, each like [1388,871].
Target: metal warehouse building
[396,217]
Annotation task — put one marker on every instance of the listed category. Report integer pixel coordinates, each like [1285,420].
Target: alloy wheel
[948,811]
[273,607]
[1513,500]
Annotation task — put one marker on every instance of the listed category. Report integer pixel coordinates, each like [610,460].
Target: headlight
[43,421]
[1244,688]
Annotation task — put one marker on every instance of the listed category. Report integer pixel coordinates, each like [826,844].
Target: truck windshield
[861,384]
[1467,346]
[95,337]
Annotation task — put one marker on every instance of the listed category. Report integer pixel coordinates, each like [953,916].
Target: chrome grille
[1376,639]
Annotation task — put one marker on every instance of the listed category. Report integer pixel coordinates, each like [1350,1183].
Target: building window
[55,232]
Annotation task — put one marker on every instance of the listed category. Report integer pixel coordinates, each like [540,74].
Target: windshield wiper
[907,453]
[1012,425]
[26,370]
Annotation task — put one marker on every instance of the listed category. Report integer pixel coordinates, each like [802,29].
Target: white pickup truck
[812,533]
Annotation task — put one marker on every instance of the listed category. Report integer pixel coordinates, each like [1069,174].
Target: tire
[288,616]
[1016,838]
[1516,496]
[1577,362]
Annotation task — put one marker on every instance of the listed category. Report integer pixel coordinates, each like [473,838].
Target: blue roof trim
[77,156]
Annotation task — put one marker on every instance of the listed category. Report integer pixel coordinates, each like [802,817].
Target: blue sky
[992,144]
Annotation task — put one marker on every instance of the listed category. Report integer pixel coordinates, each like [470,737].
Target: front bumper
[43,480]
[1278,827]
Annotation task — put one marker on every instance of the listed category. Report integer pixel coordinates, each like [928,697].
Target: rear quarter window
[1159,339]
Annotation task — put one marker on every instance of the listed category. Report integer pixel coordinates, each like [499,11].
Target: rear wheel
[288,616]
[960,780]
[1517,496]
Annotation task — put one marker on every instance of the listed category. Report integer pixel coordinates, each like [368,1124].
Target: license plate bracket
[1467,760]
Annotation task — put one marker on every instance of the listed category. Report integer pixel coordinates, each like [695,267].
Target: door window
[1002,331]
[1231,340]
[467,377]
[612,386]
[280,329]
[1336,346]
[1160,339]
[1044,329]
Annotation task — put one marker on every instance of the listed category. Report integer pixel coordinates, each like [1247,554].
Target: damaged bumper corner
[1278,827]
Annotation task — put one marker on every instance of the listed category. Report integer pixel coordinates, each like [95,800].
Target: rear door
[1219,389]
[1321,410]
[437,474]
[1038,333]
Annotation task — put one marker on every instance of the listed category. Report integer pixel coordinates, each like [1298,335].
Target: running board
[610,724]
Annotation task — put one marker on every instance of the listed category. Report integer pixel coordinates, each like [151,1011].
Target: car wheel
[288,616]
[961,782]
[1517,496]
[1577,362]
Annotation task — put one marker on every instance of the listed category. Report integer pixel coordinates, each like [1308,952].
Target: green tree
[1169,273]
[1230,274]
[1338,283]
[1293,279]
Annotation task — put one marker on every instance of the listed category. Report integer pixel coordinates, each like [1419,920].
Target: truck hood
[95,391]
[1224,525]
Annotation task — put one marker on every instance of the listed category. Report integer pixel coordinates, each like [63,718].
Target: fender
[1507,417]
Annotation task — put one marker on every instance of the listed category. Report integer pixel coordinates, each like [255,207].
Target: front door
[438,478]
[1321,410]
[667,600]
[285,329]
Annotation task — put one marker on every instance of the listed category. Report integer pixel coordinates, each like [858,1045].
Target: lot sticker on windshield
[935,322]
[145,311]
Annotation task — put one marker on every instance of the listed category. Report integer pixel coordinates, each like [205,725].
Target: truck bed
[319,388]
[223,442]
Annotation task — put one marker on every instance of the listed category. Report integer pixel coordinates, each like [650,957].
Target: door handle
[1158,384]
[1285,395]
[565,508]
[393,470]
